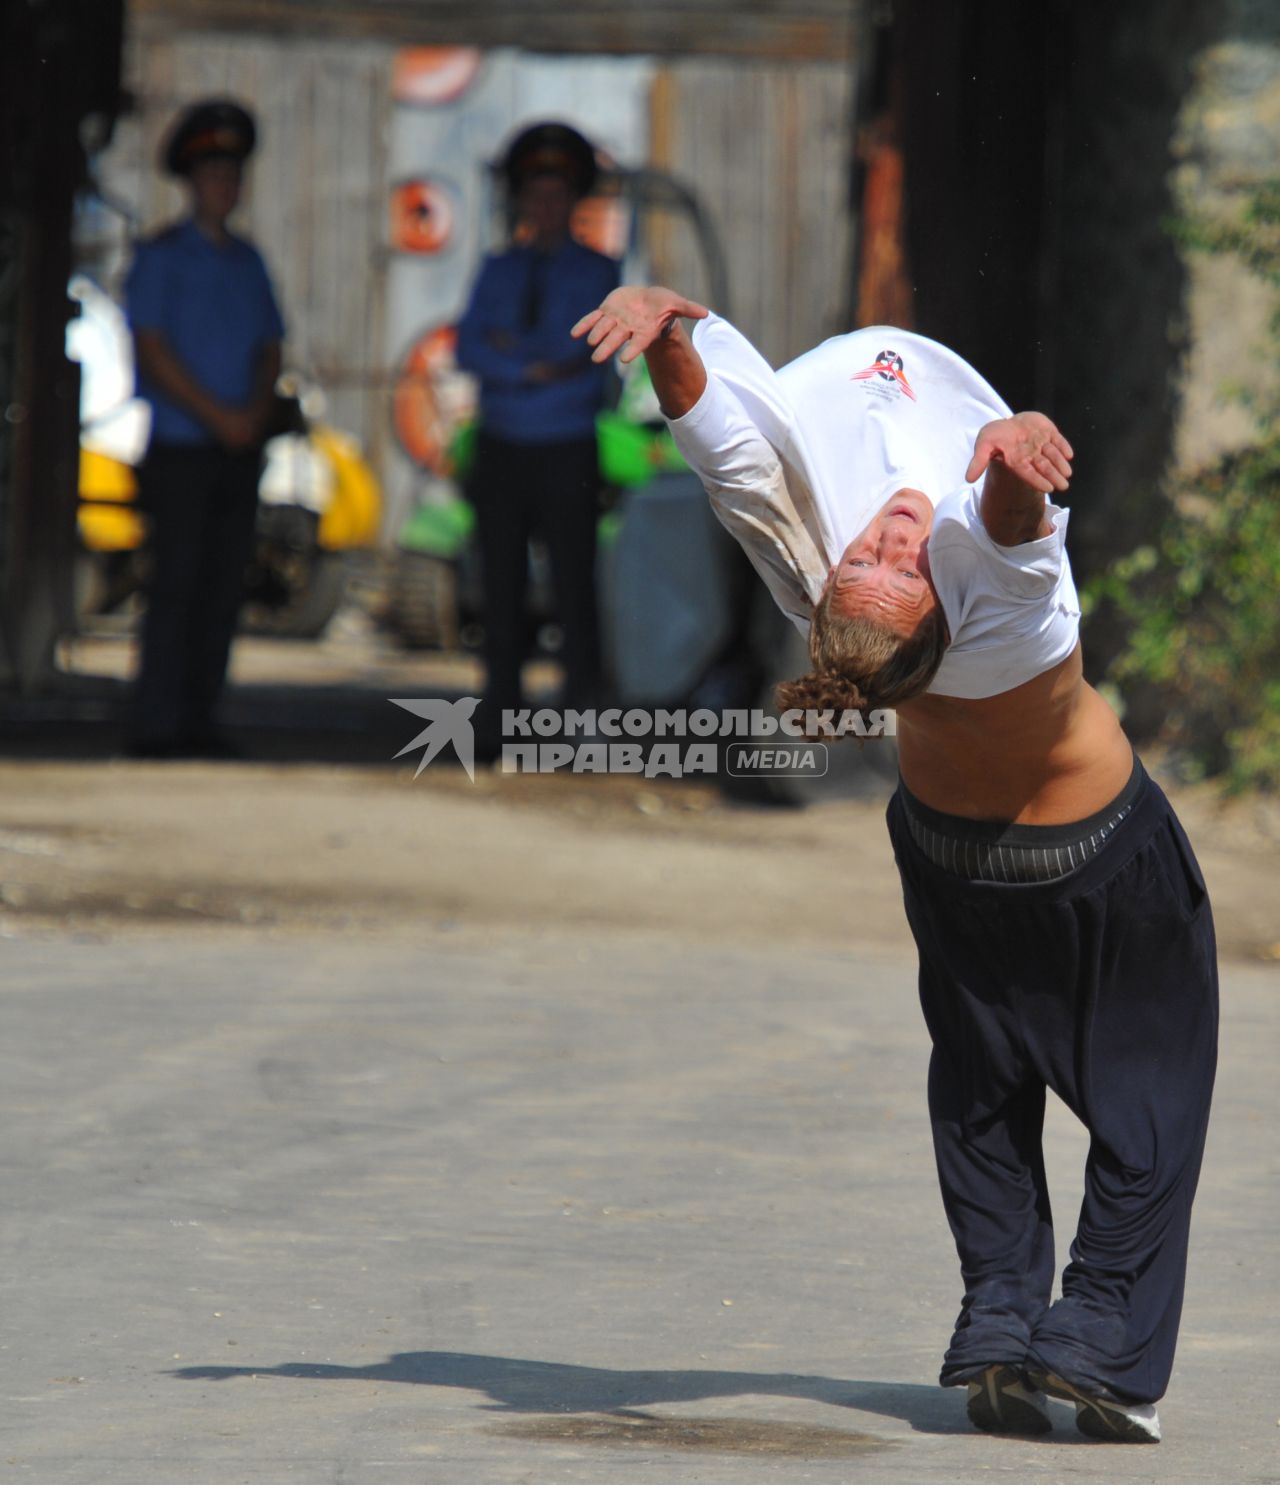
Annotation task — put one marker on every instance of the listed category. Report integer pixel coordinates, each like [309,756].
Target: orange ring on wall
[431,399]
[422,216]
[426,76]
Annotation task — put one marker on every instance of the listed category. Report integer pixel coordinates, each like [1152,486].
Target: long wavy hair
[859,665]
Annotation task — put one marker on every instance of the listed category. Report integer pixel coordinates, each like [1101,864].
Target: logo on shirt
[887,369]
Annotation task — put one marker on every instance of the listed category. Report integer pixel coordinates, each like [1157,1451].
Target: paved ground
[534,1206]
[325,830]
[358,1128]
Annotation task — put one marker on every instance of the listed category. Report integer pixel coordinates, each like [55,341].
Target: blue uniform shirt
[215,308]
[532,300]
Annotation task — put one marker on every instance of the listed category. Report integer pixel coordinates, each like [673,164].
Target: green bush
[1201,601]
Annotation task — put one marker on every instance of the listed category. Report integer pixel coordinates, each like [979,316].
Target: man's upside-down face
[883,574]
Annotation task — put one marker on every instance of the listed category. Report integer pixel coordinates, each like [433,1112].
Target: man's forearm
[238,428]
[477,354]
[678,375]
[166,373]
[1012,510]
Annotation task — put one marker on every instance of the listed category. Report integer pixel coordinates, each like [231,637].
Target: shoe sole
[1097,1418]
[1001,1406]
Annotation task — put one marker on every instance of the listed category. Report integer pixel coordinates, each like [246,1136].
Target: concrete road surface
[537,1208]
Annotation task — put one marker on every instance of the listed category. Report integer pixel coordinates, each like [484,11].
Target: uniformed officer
[536,459]
[207,334]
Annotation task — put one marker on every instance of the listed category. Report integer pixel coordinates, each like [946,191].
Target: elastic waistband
[961,828]
[997,851]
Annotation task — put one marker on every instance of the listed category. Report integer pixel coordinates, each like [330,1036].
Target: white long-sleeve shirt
[796,463]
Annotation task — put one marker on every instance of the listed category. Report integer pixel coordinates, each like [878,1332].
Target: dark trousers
[200,505]
[549,490]
[1103,987]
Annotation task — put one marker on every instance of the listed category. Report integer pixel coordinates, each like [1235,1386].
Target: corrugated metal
[765,147]
[815,29]
[768,151]
[317,191]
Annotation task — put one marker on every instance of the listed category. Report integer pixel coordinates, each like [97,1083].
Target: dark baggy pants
[1102,986]
[200,505]
[552,490]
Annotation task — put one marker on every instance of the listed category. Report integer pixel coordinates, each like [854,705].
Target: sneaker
[1001,1401]
[1101,1418]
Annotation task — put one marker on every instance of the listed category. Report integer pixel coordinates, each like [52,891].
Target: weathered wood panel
[815,29]
[768,149]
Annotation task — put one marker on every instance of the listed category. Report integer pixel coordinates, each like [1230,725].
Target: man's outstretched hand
[631,319]
[1029,446]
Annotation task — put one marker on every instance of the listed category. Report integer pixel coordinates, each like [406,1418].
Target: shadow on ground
[356,725]
[269,722]
[546,1387]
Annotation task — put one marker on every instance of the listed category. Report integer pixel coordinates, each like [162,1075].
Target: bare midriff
[1046,753]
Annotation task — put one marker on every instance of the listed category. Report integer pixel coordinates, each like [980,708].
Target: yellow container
[110,522]
[352,517]
[108,518]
